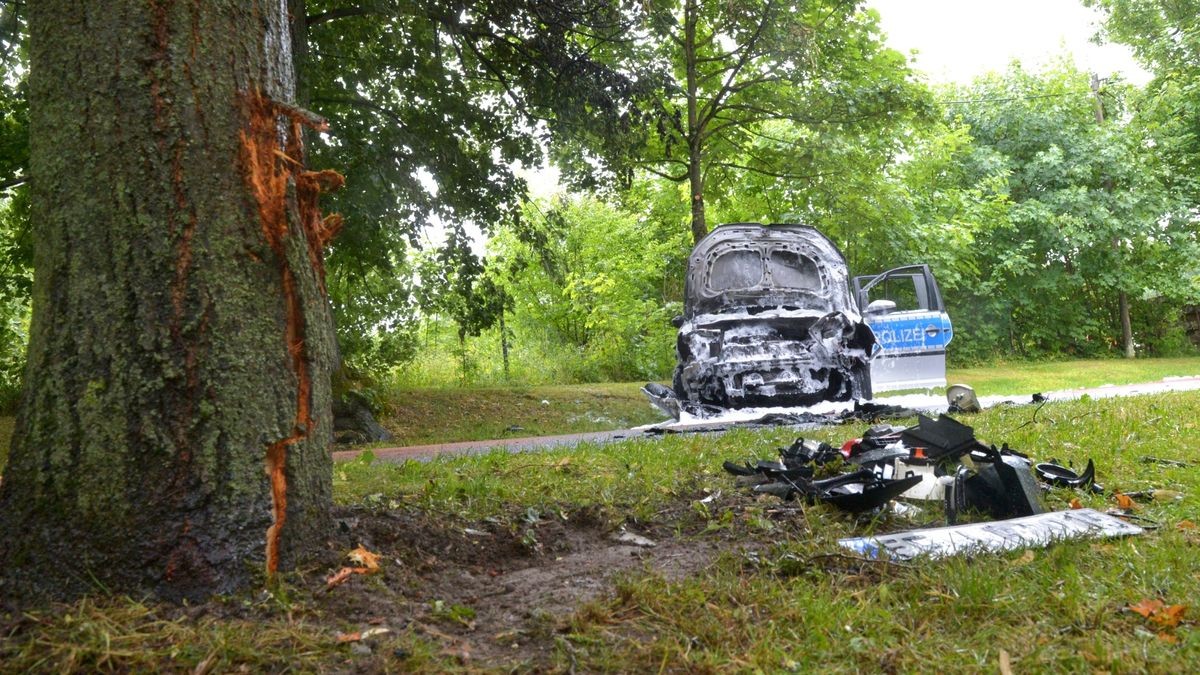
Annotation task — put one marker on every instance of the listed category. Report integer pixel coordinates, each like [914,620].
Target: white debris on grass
[930,403]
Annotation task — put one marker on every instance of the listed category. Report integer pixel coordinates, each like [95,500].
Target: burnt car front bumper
[774,359]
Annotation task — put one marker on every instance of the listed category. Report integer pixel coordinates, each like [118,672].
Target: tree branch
[339,13]
[13,182]
[714,104]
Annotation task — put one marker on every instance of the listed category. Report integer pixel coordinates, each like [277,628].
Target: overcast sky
[957,40]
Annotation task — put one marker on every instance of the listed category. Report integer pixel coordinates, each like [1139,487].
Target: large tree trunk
[176,418]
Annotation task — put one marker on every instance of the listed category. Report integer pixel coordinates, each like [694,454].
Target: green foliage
[432,105]
[16,255]
[1165,36]
[1060,215]
[604,281]
[775,108]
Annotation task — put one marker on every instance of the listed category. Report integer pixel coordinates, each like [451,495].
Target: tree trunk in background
[176,419]
[1122,297]
[1126,325]
[695,135]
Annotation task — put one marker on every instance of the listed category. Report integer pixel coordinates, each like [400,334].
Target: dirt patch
[496,591]
[493,594]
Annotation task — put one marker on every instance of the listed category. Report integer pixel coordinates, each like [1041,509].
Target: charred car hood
[746,267]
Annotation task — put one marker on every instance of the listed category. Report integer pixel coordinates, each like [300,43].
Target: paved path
[918,402]
[479,447]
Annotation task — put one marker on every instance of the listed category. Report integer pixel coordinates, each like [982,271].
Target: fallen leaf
[1005,663]
[372,632]
[1147,607]
[365,558]
[1168,638]
[1158,612]
[1185,525]
[1169,617]
[562,464]
[1076,504]
[343,638]
[1125,502]
[339,577]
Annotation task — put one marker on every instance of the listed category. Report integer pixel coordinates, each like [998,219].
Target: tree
[1165,37]
[769,90]
[433,105]
[176,419]
[604,284]
[1086,209]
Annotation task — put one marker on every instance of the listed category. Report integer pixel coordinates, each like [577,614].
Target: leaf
[339,577]
[343,638]
[1160,613]
[363,557]
[1146,607]
[1185,525]
[1169,617]
[1125,502]
[1076,504]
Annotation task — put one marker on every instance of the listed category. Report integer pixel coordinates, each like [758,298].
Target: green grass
[420,416]
[423,416]
[1027,378]
[1054,609]
[788,606]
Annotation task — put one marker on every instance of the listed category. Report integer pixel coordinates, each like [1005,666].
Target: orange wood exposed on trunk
[268,169]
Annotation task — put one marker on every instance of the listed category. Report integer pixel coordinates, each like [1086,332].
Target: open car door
[904,309]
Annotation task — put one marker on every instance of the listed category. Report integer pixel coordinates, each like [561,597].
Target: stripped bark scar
[268,167]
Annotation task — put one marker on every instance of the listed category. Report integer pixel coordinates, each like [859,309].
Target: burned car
[769,319]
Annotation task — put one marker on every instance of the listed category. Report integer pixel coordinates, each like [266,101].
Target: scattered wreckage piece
[1057,475]
[1002,486]
[962,399]
[944,437]
[1031,531]
[854,492]
[934,460]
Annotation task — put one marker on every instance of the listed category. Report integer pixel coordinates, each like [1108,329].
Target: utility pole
[1122,297]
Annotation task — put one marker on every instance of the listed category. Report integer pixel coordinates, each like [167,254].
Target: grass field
[502,561]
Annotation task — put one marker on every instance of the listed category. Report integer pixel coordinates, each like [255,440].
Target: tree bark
[176,418]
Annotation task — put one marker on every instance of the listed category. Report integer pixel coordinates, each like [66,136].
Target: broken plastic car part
[962,398]
[1061,476]
[1005,535]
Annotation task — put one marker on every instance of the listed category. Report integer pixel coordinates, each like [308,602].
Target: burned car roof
[750,265]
